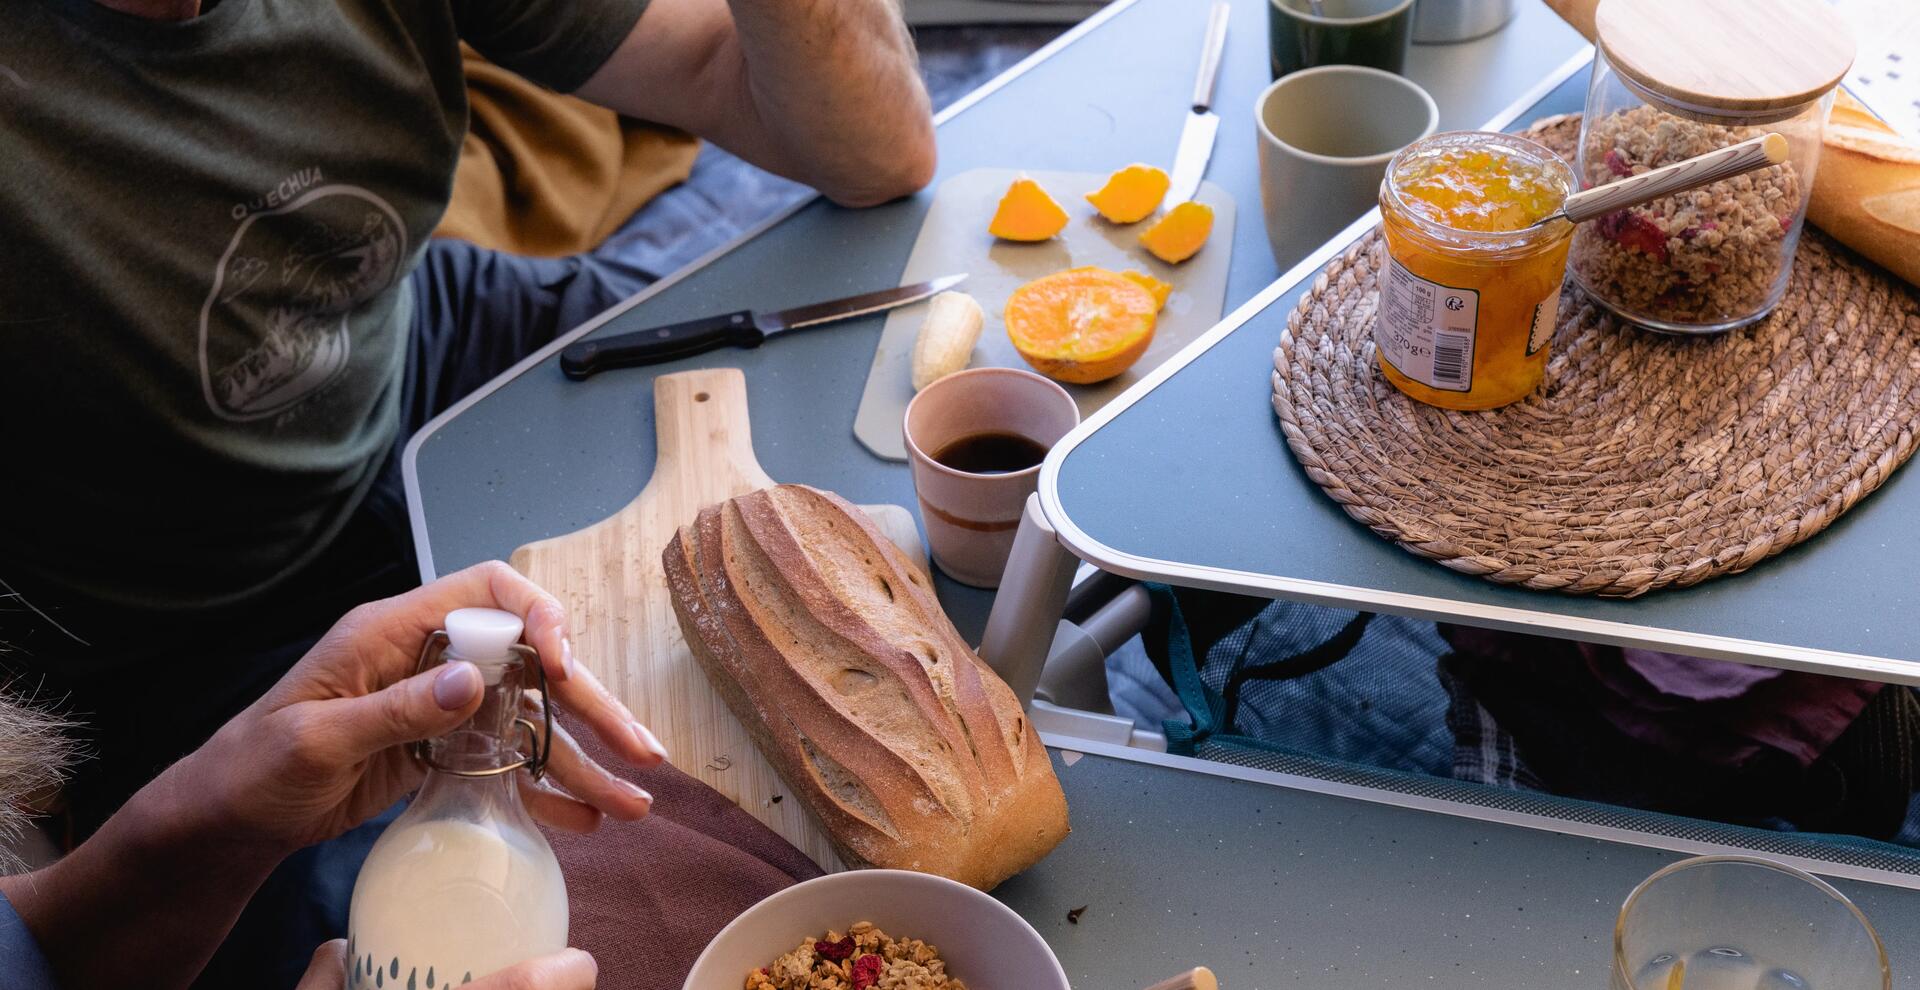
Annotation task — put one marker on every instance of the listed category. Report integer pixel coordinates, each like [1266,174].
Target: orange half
[1083,325]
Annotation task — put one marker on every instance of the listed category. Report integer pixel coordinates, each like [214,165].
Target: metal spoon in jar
[1737,159]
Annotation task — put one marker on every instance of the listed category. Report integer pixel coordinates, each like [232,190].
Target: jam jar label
[1426,329]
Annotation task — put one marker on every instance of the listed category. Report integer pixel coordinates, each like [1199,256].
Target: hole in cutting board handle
[699,396]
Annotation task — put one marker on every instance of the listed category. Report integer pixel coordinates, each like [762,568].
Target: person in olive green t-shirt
[208,222]
[220,309]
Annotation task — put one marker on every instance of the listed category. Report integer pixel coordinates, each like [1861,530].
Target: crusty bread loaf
[1578,14]
[832,649]
[1866,192]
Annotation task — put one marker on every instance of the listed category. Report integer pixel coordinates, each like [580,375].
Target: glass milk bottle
[462,884]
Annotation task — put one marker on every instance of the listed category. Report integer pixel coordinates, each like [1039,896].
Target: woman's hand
[568,969]
[324,749]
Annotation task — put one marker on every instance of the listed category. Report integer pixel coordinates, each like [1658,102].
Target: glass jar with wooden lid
[1676,79]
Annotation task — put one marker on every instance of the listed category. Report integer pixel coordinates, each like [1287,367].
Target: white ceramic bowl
[983,942]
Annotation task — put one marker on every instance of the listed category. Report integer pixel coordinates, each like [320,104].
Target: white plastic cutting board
[954,238]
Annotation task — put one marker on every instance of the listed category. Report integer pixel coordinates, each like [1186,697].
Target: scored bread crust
[829,645]
[1867,190]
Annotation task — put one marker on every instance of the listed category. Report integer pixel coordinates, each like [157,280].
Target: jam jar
[1674,80]
[1471,287]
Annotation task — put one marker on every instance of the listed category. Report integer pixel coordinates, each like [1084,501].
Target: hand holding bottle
[568,970]
[323,750]
[164,878]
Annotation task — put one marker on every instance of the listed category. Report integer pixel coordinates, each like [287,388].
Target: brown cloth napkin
[546,174]
[646,897]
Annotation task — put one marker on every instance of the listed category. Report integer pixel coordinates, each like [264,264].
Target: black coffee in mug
[991,453]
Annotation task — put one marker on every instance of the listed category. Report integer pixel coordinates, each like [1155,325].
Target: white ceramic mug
[1326,135]
[971,517]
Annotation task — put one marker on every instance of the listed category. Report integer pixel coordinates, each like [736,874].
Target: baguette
[1579,15]
[830,647]
[1867,190]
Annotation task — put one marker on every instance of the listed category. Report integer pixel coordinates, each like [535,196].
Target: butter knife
[1196,138]
[582,359]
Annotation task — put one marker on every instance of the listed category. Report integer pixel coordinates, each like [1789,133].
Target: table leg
[1027,608]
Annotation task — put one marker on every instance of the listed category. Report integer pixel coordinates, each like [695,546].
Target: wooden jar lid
[1740,56]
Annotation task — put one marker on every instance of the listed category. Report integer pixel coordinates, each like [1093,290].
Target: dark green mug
[1374,33]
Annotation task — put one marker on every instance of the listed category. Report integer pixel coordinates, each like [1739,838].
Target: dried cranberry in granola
[836,950]
[1630,229]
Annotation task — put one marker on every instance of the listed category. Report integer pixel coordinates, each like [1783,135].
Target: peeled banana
[946,340]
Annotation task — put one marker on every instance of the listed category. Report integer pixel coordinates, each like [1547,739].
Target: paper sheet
[1886,69]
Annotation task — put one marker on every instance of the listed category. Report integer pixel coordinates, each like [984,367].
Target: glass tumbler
[1743,923]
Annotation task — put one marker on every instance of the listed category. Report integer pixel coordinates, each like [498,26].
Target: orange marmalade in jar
[1471,288]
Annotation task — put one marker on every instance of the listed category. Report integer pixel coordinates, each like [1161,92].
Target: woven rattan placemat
[1645,461]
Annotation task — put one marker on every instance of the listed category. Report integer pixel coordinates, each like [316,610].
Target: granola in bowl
[863,958]
[1715,255]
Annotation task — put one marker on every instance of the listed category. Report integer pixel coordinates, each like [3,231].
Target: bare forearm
[155,885]
[824,91]
[834,83]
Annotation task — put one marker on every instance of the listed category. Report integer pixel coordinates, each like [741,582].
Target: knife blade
[582,359]
[1196,137]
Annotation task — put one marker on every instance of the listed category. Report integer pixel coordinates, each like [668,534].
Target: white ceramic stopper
[483,637]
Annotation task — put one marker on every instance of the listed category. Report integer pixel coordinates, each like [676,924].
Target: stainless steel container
[1439,22]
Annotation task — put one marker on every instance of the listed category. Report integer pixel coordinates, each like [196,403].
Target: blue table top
[535,455]
[1192,483]
[1282,882]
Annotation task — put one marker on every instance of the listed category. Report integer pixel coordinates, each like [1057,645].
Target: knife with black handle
[584,358]
[581,359]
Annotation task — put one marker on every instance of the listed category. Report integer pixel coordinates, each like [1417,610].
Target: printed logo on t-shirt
[274,330]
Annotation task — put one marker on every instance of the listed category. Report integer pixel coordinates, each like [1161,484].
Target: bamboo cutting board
[610,578]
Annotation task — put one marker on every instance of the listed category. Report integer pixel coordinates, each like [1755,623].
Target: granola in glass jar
[1711,255]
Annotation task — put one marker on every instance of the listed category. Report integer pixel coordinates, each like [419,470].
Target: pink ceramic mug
[971,516]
